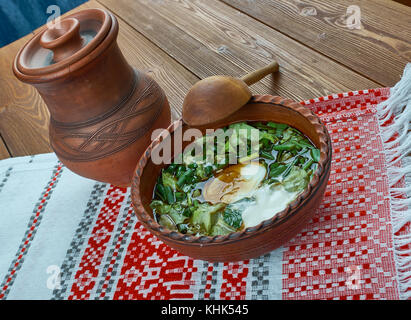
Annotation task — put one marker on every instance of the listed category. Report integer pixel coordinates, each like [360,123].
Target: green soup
[244,175]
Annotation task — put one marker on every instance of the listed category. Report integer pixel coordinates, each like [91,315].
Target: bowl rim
[317,179]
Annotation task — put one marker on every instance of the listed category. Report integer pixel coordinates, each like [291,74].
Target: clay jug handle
[63,38]
[257,75]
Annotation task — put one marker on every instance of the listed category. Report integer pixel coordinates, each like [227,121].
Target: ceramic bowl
[268,235]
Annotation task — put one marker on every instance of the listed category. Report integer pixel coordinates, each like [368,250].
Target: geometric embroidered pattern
[344,252]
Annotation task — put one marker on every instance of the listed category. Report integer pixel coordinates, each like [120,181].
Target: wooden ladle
[217,97]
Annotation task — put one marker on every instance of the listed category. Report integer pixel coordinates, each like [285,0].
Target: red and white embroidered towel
[66,237]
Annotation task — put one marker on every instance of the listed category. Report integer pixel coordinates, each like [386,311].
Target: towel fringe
[394,119]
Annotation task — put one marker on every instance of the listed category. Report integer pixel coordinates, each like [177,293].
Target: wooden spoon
[217,97]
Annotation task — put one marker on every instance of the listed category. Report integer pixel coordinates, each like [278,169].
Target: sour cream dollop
[268,202]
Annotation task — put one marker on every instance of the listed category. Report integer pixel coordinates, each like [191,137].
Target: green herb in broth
[285,158]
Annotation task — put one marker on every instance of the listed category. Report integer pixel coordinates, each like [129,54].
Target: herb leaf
[169,180]
[297,180]
[233,217]
[315,154]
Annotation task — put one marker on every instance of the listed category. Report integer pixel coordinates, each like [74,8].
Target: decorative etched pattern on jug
[114,131]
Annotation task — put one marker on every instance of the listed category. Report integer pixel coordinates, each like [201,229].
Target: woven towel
[66,237]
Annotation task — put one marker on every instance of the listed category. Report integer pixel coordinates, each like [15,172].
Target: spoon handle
[257,75]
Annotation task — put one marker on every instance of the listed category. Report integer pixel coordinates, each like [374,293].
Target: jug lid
[63,44]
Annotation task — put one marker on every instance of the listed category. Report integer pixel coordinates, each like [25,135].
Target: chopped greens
[179,198]
[169,180]
[221,228]
[203,215]
[297,180]
[233,217]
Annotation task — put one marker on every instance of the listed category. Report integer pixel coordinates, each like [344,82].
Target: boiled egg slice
[235,182]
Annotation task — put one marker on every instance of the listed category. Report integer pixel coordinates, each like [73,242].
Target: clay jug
[102,111]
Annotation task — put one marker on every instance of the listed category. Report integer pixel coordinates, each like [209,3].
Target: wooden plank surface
[4,153]
[179,42]
[209,37]
[24,117]
[379,49]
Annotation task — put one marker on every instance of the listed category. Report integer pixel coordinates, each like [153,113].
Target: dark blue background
[20,17]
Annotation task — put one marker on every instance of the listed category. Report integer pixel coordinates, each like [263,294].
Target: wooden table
[179,42]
